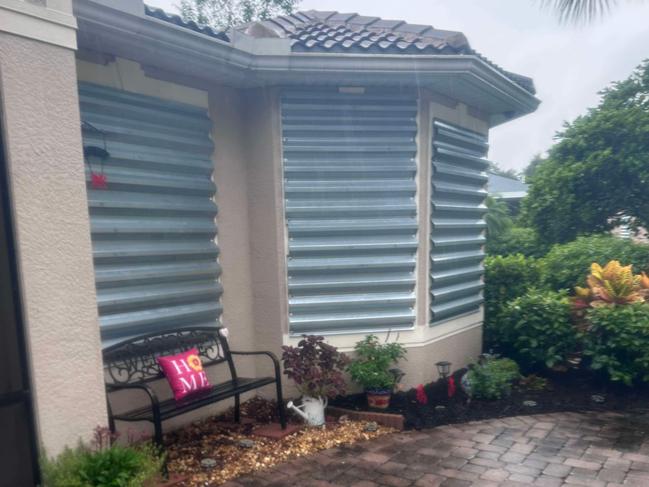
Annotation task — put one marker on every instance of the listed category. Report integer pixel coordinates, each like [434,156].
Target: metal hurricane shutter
[349,168]
[153,228]
[457,220]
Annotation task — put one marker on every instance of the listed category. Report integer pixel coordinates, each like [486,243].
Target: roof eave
[166,47]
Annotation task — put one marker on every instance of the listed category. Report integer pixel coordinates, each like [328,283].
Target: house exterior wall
[252,229]
[40,112]
[623,231]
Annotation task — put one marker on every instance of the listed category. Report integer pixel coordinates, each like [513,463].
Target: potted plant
[317,370]
[371,369]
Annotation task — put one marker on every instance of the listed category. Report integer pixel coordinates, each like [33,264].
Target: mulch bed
[219,441]
[572,390]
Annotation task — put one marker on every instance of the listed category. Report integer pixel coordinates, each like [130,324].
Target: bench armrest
[271,355]
[153,397]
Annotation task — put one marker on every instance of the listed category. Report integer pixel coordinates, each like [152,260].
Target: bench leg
[157,425]
[237,409]
[111,421]
[280,405]
[158,439]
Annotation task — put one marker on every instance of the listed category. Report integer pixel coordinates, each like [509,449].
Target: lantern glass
[443,368]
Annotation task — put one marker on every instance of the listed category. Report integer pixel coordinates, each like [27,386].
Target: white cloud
[569,64]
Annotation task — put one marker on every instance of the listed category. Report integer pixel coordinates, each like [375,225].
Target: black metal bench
[132,364]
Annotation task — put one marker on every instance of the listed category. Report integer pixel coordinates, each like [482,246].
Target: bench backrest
[134,360]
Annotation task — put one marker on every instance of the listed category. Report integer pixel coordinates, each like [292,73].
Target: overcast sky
[569,64]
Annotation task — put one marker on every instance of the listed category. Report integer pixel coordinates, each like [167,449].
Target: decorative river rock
[208,463]
[598,398]
[371,427]
[246,443]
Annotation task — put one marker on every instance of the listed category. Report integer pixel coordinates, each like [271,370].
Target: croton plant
[613,284]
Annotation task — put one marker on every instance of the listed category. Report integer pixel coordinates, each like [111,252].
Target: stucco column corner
[40,114]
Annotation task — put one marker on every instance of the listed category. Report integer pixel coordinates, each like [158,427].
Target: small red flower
[451,387]
[422,398]
[98,181]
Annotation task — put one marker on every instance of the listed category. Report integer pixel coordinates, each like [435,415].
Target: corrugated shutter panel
[349,168]
[153,228]
[457,220]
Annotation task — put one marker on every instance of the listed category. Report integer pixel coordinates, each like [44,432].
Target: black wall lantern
[443,369]
[96,156]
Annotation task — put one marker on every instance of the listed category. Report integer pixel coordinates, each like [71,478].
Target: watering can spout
[312,410]
[295,408]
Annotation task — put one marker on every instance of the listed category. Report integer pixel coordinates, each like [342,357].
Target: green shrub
[516,240]
[536,329]
[567,265]
[371,366]
[617,341]
[492,378]
[114,466]
[506,278]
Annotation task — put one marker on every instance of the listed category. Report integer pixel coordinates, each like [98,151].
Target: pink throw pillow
[185,373]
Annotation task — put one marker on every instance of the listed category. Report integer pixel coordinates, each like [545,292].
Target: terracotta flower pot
[378,399]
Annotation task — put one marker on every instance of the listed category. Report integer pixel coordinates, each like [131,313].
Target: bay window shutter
[349,184]
[457,220]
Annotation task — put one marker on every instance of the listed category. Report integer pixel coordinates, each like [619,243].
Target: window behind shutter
[153,228]
[349,169]
[457,224]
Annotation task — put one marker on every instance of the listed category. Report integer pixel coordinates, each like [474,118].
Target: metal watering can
[312,410]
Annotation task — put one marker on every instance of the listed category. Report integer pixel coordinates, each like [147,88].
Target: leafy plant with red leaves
[316,367]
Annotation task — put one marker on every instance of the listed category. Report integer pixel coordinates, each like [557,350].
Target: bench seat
[171,408]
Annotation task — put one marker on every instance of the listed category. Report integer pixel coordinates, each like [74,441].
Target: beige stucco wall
[266,211]
[46,173]
[458,347]
[230,174]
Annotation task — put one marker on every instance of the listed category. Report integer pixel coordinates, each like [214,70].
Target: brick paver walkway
[590,449]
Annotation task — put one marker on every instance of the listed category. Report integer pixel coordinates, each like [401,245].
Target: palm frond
[578,11]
